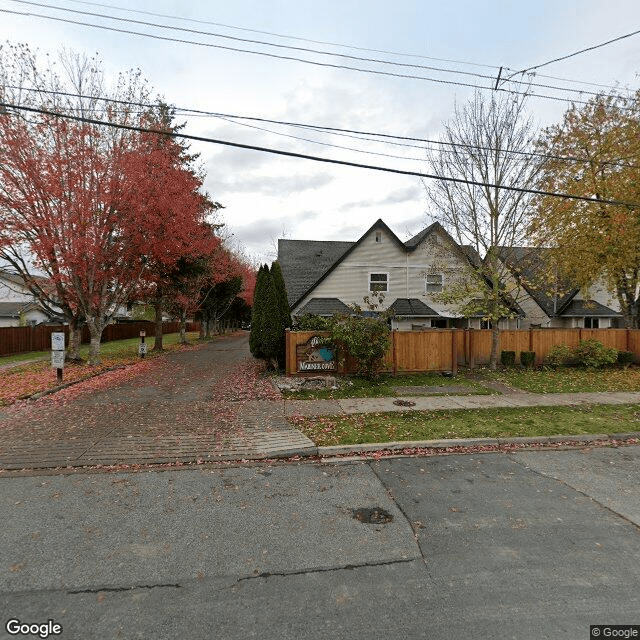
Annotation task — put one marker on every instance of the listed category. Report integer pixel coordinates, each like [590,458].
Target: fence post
[287,352]
[628,340]
[530,339]
[471,354]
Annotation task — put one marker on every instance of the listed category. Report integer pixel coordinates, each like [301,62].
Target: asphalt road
[529,545]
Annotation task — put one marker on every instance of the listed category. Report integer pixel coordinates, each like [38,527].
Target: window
[378,236]
[433,283]
[591,323]
[439,323]
[378,282]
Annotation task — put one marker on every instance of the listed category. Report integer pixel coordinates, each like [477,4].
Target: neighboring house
[18,305]
[325,277]
[547,301]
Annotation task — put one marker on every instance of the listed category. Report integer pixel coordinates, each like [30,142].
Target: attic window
[379,236]
[378,282]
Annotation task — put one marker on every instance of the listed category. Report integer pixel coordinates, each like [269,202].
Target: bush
[559,354]
[625,358]
[507,358]
[365,338]
[528,358]
[311,322]
[593,354]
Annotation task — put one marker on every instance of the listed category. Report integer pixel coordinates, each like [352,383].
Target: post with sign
[57,354]
[142,347]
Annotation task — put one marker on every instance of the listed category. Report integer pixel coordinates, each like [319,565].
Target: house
[325,277]
[549,301]
[18,305]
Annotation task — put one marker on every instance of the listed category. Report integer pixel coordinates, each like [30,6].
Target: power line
[384,138]
[293,58]
[278,35]
[575,53]
[328,43]
[302,156]
[301,49]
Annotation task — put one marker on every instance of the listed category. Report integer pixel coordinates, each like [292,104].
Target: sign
[57,342]
[315,356]
[57,359]
[142,349]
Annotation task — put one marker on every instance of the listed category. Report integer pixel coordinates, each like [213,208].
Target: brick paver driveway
[201,404]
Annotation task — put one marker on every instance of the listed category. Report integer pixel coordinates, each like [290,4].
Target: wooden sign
[57,341]
[315,356]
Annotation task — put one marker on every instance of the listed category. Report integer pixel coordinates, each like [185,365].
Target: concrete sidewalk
[347,406]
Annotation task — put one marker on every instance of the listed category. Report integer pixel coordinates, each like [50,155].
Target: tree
[64,199]
[487,142]
[595,153]
[265,339]
[282,311]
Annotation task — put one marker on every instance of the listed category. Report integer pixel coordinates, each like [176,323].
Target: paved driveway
[204,403]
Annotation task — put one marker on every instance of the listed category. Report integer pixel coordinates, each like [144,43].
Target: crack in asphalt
[131,588]
[577,490]
[301,572]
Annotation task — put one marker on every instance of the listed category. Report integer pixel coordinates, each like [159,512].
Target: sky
[447,45]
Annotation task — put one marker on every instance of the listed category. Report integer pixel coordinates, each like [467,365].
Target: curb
[583,439]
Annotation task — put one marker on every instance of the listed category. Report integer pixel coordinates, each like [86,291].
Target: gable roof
[581,308]
[306,263]
[325,307]
[530,266]
[303,262]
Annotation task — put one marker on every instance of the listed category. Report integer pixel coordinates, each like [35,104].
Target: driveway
[205,403]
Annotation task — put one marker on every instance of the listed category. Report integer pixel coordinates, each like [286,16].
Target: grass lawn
[476,423]
[383,387]
[27,379]
[566,379]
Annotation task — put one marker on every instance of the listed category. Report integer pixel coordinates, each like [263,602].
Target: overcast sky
[268,196]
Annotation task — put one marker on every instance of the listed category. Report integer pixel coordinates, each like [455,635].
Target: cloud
[399,196]
[280,186]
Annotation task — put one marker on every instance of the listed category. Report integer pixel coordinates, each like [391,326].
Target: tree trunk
[95,329]
[495,345]
[183,327]
[203,324]
[157,305]
[75,338]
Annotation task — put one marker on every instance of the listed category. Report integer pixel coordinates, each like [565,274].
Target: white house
[18,304]
[547,301]
[325,277]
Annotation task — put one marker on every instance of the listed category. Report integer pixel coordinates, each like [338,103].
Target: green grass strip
[473,423]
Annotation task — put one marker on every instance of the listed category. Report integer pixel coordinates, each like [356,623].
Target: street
[537,544]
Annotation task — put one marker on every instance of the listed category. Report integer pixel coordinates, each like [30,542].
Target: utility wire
[293,48]
[324,42]
[290,58]
[576,53]
[384,138]
[302,156]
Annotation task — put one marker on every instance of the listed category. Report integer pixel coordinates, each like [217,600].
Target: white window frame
[592,321]
[428,284]
[379,237]
[385,282]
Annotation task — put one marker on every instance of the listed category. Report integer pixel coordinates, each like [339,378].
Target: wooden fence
[25,339]
[446,349]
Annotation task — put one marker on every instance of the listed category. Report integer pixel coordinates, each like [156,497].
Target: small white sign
[57,342]
[57,359]
[142,348]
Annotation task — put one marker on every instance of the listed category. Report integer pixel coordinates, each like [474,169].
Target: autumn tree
[64,198]
[486,147]
[595,153]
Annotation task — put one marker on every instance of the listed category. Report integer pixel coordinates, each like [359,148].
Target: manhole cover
[373,515]
[405,403]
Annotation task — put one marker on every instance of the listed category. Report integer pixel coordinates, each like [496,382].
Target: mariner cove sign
[314,355]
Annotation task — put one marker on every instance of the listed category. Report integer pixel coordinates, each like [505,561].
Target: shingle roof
[581,308]
[13,309]
[412,243]
[304,262]
[413,307]
[531,266]
[324,307]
